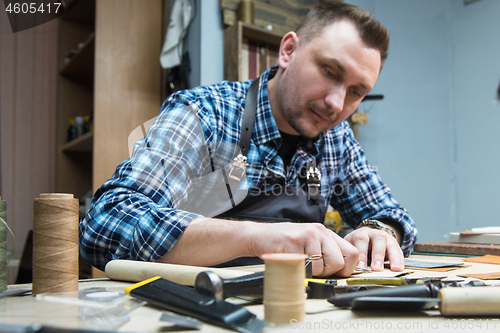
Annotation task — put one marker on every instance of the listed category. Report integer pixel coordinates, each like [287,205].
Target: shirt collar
[265,128]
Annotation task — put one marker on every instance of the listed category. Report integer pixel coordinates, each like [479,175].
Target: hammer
[212,284]
[209,283]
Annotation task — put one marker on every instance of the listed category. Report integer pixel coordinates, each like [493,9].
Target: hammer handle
[483,301]
[135,271]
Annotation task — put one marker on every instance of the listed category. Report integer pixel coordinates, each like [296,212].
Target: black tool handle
[181,299]
[249,285]
[424,290]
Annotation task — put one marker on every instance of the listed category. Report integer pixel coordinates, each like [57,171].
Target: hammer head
[210,284]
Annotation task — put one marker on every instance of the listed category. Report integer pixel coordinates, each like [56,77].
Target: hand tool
[391,281]
[477,301]
[177,298]
[135,271]
[421,290]
[211,284]
[394,303]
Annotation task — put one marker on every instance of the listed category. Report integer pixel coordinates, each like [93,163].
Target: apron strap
[249,117]
[240,163]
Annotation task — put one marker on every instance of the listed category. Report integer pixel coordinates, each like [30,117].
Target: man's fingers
[350,254]
[313,248]
[395,256]
[379,246]
[360,240]
[340,256]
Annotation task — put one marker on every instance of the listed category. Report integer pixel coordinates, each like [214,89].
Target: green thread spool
[3,245]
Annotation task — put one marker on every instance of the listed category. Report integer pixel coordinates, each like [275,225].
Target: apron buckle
[313,172]
[313,183]
[239,167]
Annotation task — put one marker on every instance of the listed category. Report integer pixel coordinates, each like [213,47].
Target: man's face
[323,81]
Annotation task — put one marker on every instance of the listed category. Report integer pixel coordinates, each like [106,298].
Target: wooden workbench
[321,316]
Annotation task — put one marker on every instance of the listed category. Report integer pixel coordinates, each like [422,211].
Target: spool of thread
[284,292]
[55,243]
[3,245]
[246,11]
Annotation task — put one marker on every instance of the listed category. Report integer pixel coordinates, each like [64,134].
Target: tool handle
[483,301]
[186,301]
[415,290]
[135,271]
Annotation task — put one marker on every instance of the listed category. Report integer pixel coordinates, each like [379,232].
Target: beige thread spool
[246,11]
[55,243]
[284,291]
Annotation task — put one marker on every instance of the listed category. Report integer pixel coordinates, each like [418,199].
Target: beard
[297,118]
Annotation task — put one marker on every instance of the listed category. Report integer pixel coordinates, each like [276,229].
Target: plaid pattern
[141,211]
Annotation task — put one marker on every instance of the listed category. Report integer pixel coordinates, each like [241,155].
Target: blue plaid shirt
[143,209]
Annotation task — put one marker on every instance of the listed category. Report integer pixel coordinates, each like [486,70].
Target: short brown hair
[326,12]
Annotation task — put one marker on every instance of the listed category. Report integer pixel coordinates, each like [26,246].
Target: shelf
[249,51]
[82,63]
[83,143]
[255,33]
[83,12]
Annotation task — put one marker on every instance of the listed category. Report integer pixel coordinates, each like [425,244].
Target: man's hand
[339,257]
[379,246]
[207,242]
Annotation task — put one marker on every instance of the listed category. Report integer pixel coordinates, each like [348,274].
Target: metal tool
[394,303]
[211,284]
[421,290]
[177,298]
[393,281]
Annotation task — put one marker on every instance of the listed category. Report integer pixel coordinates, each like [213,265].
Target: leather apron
[281,203]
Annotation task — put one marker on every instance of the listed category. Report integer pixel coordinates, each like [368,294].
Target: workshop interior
[79,88]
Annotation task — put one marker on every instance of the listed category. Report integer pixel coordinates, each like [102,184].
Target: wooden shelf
[83,12]
[83,143]
[237,38]
[82,63]
[255,33]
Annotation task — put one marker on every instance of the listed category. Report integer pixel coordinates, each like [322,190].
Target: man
[300,140]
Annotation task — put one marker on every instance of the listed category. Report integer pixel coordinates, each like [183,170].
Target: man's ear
[288,46]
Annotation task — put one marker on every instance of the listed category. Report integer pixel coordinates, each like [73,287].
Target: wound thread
[55,243]
[284,291]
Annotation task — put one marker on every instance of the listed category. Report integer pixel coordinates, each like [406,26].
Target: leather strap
[313,174]
[249,117]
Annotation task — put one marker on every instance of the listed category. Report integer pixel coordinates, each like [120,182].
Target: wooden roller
[470,301]
[135,271]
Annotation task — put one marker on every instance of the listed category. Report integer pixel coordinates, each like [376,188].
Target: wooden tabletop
[321,316]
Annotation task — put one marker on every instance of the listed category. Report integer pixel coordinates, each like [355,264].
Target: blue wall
[475,38]
[434,137]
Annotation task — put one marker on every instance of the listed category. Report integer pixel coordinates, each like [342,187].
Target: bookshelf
[76,49]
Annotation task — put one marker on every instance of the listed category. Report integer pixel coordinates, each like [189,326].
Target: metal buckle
[313,172]
[239,162]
